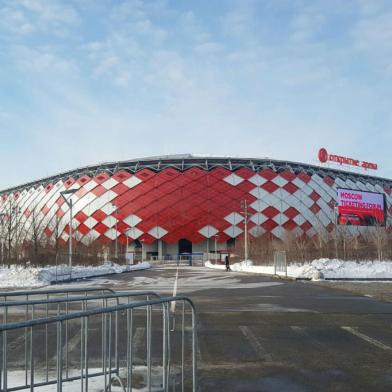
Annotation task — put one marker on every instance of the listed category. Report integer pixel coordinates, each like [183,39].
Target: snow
[327,268]
[29,276]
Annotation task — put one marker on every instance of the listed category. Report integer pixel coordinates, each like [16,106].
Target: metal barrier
[280,263]
[30,309]
[117,362]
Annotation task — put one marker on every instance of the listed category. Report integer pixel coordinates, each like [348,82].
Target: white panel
[257,231]
[234,218]
[233,231]
[110,183]
[109,221]
[112,234]
[323,218]
[132,181]
[208,231]
[298,182]
[299,220]
[109,208]
[370,187]
[279,232]
[280,219]
[90,185]
[280,181]
[90,222]
[233,179]
[132,220]
[258,218]
[157,232]
[134,233]
[259,193]
[259,205]
[257,180]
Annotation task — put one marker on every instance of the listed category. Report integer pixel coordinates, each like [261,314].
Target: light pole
[2,215]
[244,205]
[142,242]
[216,236]
[116,243]
[69,204]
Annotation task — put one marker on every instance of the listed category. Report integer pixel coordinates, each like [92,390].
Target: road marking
[173,304]
[368,339]
[255,343]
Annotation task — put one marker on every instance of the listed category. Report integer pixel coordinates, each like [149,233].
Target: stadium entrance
[184,246]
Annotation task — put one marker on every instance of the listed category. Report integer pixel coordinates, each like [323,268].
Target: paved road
[259,334]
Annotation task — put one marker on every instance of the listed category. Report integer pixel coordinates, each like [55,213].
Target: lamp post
[116,240]
[2,215]
[69,192]
[244,212]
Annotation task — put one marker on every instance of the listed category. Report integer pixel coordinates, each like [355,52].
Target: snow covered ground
[20,276]
[327,268]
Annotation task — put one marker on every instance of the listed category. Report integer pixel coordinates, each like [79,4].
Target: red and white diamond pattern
[194,204]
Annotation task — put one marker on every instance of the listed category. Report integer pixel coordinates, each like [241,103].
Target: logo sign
[324,157]
[360,208]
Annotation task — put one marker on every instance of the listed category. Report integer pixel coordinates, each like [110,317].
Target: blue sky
[88,81]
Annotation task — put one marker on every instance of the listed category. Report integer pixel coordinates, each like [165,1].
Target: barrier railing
[31,309]
[120,324]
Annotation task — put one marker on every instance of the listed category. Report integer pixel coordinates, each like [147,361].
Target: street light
[244,212]
[69,204]
[116,243]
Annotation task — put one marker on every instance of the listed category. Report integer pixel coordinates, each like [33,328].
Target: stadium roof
[183,162]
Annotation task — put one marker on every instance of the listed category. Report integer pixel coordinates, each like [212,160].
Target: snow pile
[20,276]
[321,268]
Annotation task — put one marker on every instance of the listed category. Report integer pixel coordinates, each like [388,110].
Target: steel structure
[163,201]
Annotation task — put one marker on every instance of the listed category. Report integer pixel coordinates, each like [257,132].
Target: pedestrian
[227,263]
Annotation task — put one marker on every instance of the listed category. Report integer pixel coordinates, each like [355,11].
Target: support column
[160,249]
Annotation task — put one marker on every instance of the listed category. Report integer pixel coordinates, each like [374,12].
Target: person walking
[227,263]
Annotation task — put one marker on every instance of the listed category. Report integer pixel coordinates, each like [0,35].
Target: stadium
[184,203]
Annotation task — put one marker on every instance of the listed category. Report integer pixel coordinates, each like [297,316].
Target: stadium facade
[184,203]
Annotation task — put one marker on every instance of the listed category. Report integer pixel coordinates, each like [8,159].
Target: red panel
[122,239]
[122,227]
[246,186]
[104,240]
[101,177]
[290,225]
[270,212]
[99,215]
[99,190]
[68,183]
[268,174]
[245,173]
[195,173]
[195,237]
[121,175]
[315,208]
[101,228]
[45,210]
[314,196]
[120,189]
[291,212]
[219,173]
[304,177]
[330,227]
[329,181]
[287,175]
[48,232]
[306,226]
[27,213]
[80,193]
[269,225]
[223,237]
[145,174]
[270,186]
[83,229]
[387,189]
[290,187]
[60,213]
[47,188]
[83,180]
[147,239]
[168,187]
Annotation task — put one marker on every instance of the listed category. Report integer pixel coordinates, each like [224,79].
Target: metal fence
[280,263]
[99,342]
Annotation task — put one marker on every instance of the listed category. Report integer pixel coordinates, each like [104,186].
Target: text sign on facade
[323,157]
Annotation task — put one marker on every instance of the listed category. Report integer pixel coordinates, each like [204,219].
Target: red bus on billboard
[360,208]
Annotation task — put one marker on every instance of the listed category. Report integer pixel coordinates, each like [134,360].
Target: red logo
[323,155]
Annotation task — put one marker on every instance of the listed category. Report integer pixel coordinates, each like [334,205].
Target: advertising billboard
[360,208]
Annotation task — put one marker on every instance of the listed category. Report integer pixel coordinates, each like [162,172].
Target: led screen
[360,208]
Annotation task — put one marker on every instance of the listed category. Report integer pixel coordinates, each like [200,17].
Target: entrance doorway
[184,246]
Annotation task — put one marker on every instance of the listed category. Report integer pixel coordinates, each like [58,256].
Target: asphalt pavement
[260,334]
